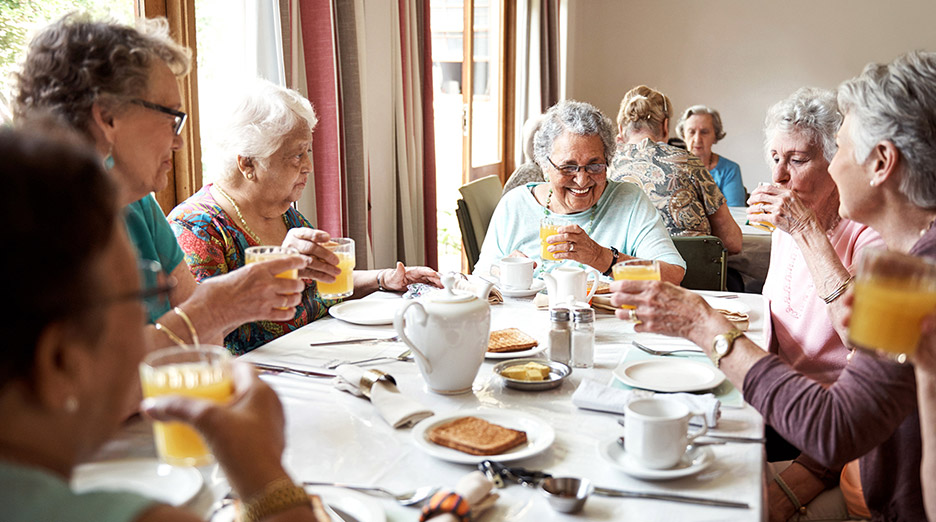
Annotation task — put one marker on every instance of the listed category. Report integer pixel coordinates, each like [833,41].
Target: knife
[667,496]
[285,369]
[735,438]
[352,341]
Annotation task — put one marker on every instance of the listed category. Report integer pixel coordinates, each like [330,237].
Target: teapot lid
[448,293]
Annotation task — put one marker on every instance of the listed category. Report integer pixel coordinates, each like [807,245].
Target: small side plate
[557,373]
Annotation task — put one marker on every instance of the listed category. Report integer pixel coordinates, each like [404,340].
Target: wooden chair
[474,211]
[705,262]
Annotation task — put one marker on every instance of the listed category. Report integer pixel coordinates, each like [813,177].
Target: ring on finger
[571,246]
[285,302]
[632,316]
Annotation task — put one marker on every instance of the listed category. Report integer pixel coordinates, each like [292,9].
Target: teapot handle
[399,324]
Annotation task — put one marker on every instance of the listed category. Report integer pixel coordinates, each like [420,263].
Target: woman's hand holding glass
[321,263]
[572,242]
[779,207]
[252,292]
[660,307]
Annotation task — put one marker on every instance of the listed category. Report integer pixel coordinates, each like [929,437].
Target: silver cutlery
[668,496]
[664,353]
[334,363]
[407,498]
[735,438]
[620,442]
[285,369]
[361,340]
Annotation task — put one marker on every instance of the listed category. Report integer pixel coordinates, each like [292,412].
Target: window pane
[486,66]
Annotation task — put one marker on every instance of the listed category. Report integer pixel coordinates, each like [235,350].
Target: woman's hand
[573,243]
[397,279]
[661,307]
[781,208]
[252,293]
[321,263]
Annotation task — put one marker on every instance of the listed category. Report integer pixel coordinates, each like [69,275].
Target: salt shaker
[583,338]
[560,336]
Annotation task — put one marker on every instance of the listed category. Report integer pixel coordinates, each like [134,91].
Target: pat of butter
[530,371]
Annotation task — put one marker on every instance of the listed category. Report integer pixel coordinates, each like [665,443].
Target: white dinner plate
[691,463]
[540,435]
[351,506]
[669,375]
[174,485]
[516,355]
[537,286]
[367,311]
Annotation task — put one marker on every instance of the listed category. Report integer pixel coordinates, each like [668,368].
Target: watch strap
[614,259]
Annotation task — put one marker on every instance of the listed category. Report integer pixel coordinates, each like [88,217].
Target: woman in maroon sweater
[885,171]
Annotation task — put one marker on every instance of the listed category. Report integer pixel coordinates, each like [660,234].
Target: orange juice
[178,443]
[546,231]
[267,253]
[886,315]
[636,270]
[343,286]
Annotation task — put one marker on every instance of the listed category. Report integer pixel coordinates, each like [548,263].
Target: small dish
[540,435]
[669,374]
[367,311]
[173,485]
[537,286]
[695,460]
[557,373]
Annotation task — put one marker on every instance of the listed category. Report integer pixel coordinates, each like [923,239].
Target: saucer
[691,463]
[534,289]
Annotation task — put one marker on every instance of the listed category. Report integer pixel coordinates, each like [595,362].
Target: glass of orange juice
[257,254]
[549,226]
[637,270]
[763,225]
[893,293]
[343,286]
[204,373]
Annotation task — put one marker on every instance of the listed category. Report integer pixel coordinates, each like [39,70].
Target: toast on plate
[476,436]
[510,340]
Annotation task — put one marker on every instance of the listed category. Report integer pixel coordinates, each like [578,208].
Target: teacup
[516,273]
[656,431]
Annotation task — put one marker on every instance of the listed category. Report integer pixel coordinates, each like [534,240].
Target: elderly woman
[676,182]
[701,127]
[69,364]
[884,174]
[266,165]
[117,86]
[609,222]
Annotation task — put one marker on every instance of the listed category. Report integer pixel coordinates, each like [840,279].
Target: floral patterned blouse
[214,245]
[676,182]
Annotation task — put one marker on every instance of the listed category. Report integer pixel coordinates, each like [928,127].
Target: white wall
[737,56]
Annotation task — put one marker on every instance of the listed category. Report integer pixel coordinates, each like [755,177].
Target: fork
[651,351]
[407,498]
[334,363]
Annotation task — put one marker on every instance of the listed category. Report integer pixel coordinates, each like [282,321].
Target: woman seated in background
[608,221]
[676,182]
[884,173]
[701,127]
[117,86]
[529,172]
[69,365]
[266,162]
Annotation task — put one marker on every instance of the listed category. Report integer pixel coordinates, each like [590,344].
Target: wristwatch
[723,343]
[614,258]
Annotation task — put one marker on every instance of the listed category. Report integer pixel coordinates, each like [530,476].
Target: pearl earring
[872,183]
[71,404]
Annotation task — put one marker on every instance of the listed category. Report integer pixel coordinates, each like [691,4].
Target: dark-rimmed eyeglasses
[155,287]
[571,170]
[179,116]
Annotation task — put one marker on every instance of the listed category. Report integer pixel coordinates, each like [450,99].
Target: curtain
[537,67]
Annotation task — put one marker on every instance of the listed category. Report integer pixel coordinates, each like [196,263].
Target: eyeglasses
[155,288]
[571,170]
[180,116]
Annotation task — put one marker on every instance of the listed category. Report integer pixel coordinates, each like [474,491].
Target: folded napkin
[397,409]
[592,395]
[603,302]
[475,488]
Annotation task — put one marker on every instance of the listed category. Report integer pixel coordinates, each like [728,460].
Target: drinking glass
[343,286]
[549,226]
[763,225]
[257,254]
[637,270]
[893,293]
[202,372]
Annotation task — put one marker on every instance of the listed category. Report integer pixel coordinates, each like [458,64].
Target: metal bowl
[566,494]
[557,373]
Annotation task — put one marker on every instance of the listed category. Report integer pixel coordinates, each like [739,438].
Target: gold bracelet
[380,285]
[169,333]
[277,496]
[188,322]
[829,299]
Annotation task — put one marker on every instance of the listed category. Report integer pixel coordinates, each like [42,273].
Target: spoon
[690,447]
[407,498]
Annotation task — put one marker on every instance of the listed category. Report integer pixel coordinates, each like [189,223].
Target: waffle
[510,340]
[476,436]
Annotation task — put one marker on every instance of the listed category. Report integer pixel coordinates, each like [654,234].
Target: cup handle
[594,288]
[692,436]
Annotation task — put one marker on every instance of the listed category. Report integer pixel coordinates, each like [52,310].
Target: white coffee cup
[516,273]
[656,431]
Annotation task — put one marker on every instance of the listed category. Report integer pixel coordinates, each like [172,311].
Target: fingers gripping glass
[571,170]
[179,116]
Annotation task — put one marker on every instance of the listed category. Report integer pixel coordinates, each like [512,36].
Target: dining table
[334,436]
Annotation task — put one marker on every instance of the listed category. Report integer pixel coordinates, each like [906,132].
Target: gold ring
[571,246]
[632,316]
[285,302]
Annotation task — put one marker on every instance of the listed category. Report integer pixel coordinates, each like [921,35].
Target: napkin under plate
[397,409]
[592,395]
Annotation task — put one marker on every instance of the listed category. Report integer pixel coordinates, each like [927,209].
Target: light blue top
[30,494]
[727,175]
[150,233]
[624,219]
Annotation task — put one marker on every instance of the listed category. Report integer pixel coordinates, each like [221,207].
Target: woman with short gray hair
[605,221]
[701,128]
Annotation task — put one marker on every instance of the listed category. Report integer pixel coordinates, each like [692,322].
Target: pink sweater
[804,337]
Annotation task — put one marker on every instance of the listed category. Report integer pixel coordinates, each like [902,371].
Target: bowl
[566,494]
[557,373]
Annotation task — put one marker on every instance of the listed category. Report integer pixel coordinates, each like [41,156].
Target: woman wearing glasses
[118,86]
[676,182]
[607,221]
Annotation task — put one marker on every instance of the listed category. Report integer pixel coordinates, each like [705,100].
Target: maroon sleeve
[870,399]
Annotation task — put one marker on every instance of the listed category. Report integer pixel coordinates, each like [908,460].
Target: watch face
[721,345]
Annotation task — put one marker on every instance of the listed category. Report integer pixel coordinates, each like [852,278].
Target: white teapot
[448,331]
[568,284]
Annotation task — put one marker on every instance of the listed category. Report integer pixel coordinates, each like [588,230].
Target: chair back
[470,244]
[480,198]
[705,261]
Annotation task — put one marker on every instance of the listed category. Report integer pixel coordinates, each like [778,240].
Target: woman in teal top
[701,128]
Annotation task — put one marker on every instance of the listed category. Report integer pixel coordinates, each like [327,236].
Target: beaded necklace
[241,216]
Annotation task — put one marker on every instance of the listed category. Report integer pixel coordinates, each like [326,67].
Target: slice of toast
[510,340]
[476,436]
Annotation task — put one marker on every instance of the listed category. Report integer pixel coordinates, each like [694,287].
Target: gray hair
[809,110]
[259,122]
[896,102]
[696,110]
[579,118]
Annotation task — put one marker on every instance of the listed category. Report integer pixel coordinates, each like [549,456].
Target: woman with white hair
[701,128]
[266,146]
